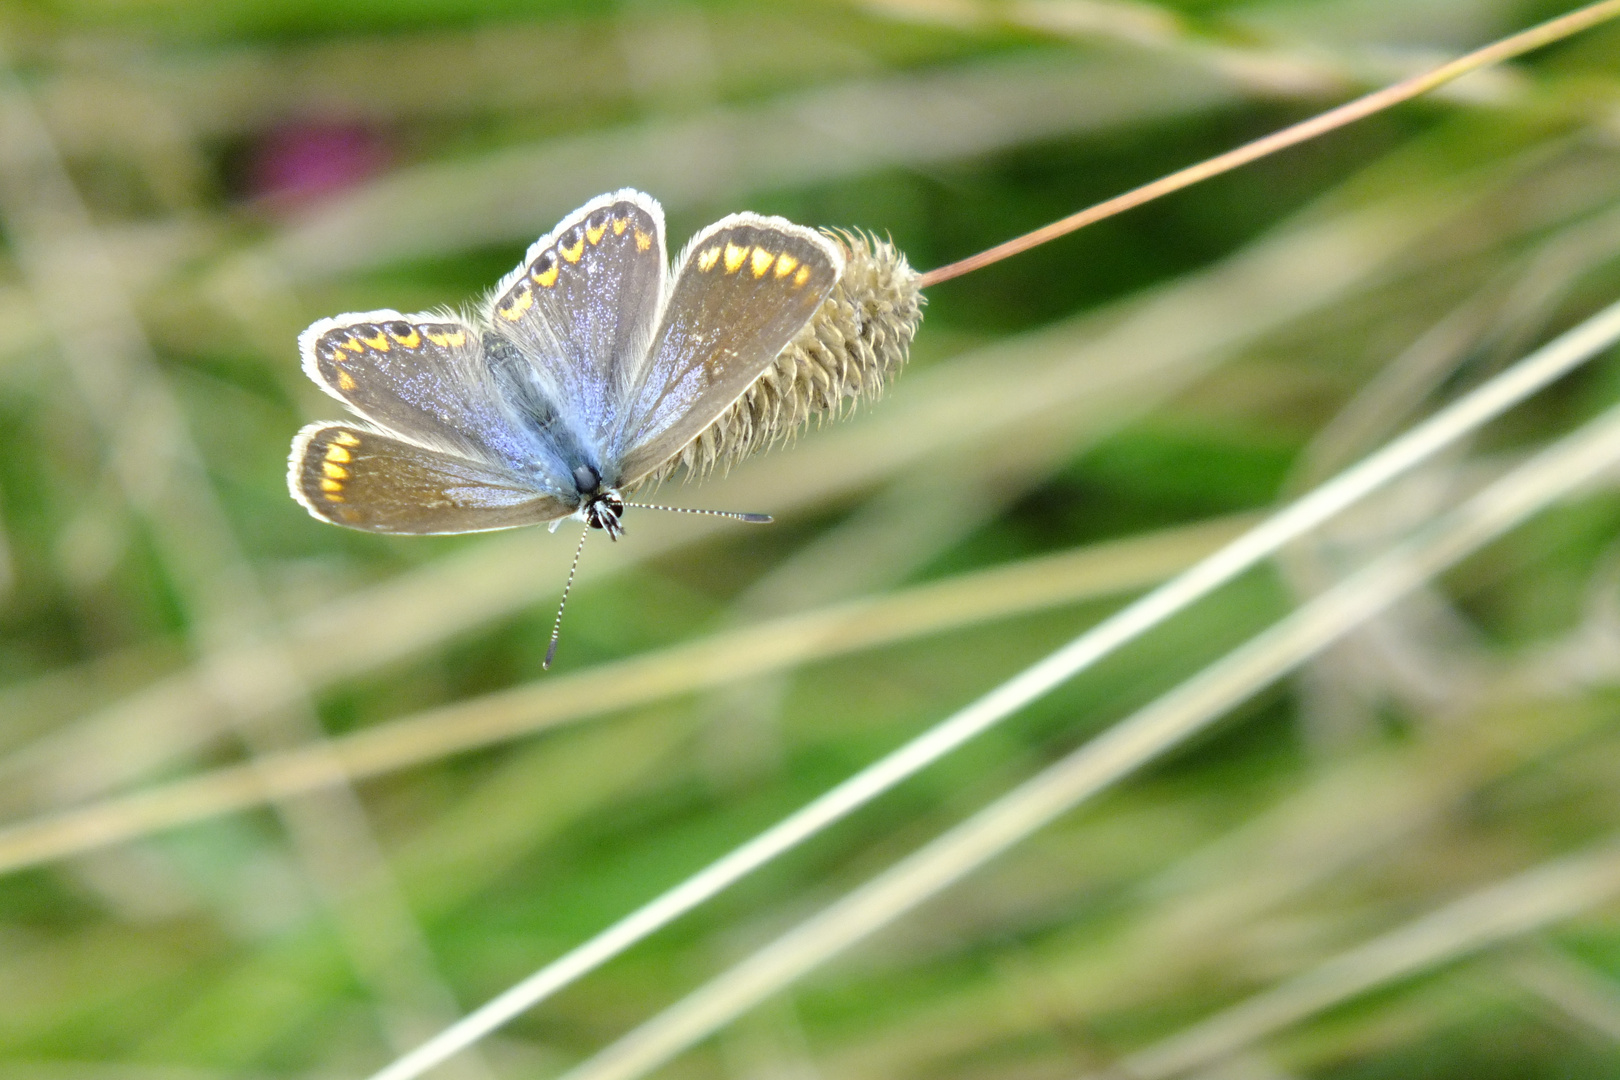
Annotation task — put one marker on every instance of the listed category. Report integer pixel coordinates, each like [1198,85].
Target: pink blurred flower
[300,162]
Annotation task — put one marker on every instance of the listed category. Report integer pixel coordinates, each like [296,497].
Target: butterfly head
[599,506]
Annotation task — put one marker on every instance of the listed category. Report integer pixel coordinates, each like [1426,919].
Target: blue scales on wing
[579,314]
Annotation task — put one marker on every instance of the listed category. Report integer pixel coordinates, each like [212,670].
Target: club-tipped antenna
[556,627]
[756,519]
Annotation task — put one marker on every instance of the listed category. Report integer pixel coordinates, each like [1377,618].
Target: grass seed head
[857,341]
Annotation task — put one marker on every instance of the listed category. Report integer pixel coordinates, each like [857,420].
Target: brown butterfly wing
[352,475]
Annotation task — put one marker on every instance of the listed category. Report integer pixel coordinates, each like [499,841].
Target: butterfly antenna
[757,519]
[556,627]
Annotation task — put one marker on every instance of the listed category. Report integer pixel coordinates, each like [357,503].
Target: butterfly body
[594,366]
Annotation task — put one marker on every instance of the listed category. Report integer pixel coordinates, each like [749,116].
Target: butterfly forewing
[420,376]
[745,287]
[351,475]
[582,307]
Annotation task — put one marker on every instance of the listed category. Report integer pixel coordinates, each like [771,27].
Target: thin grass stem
[1362,107]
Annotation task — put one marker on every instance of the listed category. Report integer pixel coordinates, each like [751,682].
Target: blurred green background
[398,815]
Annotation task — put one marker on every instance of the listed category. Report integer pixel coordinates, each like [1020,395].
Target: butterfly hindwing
[744,288]
[351,475]
[582,306]
[421,376]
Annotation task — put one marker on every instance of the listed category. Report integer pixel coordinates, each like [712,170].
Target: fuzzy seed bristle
[857,341]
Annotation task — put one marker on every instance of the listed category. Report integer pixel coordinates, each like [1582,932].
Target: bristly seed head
[857,341]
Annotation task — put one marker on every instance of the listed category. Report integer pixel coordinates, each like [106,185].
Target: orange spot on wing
[344,381]
[335,452]
[332,496]
[331,485]
[594,233]
[760,261]
[346,438]
[334,472]
[574,250]
[801,277]
[351,344]
[734,258]
[619,225]
[707,259]
[410,340]
[380,342]
[522,302]
[547,277]
[785,264]
[643,240]
[448,339]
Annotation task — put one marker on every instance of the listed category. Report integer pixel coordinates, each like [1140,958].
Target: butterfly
[590,368]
